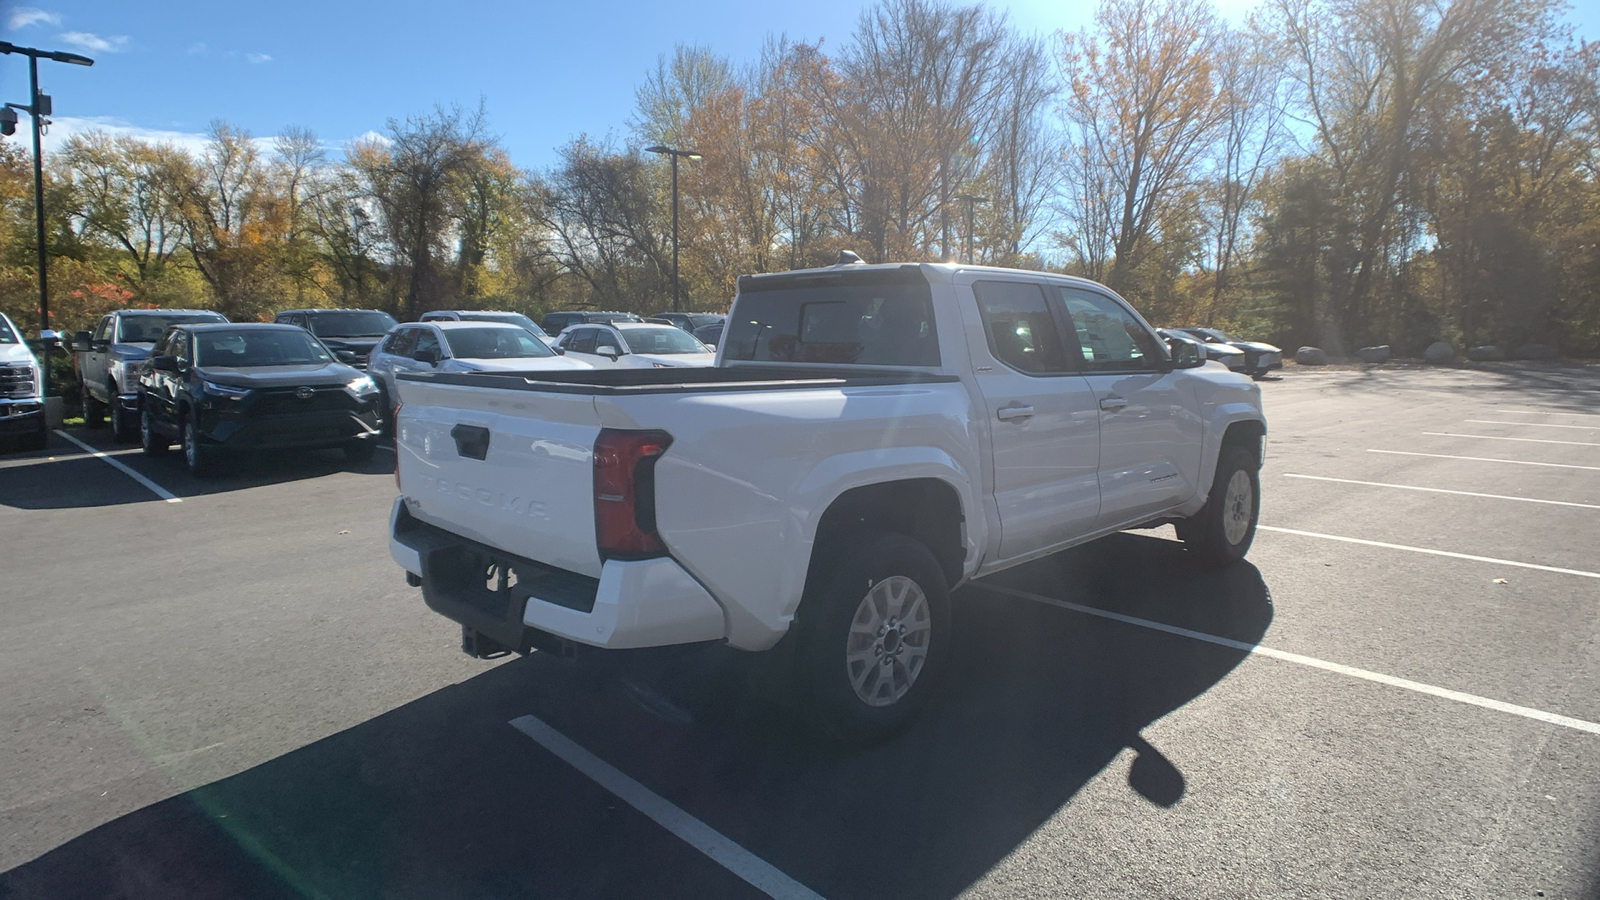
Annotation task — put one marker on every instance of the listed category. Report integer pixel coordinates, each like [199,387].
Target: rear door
[94,369]
[1043,422]
[1150,430]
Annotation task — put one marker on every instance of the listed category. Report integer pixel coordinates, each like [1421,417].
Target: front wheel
[1221,532]
[874,636]
[124,425]
[360,451]
[94,412]
[200,459]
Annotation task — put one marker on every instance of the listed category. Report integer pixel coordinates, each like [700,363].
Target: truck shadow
[441,797]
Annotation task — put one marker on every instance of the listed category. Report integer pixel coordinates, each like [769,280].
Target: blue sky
[548,71]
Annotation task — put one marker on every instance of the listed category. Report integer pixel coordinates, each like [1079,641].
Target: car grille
[275,401]
[16,382]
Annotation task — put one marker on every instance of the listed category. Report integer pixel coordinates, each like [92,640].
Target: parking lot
[224,688]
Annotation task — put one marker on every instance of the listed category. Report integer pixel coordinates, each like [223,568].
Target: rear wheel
[1221,532]
[151,442]
[360,451]
[873,637]
[200,459]
[94,412]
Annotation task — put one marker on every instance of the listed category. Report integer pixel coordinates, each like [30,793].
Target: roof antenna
[847,258]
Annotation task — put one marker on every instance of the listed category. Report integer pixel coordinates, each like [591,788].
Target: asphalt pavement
[224,688]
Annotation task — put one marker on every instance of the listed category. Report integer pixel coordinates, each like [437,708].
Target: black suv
[216,388]
[355,331]
[557,322]
[688,321]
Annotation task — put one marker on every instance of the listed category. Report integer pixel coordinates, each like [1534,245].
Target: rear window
[872,319]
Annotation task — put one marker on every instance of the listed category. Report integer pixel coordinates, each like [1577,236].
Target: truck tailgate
[511,469]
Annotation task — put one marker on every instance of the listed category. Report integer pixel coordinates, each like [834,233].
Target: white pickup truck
[871,437]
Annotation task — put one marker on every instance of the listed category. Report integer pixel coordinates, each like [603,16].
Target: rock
[1438,352]
[1378,354]
[1311,356]
[1485,353]
[1532,350]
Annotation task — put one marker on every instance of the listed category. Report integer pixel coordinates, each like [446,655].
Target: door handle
[1110,403]
[1007,413]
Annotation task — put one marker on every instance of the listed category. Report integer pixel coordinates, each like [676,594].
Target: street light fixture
[37,108]
[674,153]
[971,200]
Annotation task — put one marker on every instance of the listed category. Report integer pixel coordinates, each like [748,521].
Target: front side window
[877,321]
[1109,337]
[427,342]
[666,340]
[258,347]
[7,336]
[582,340]
[179,346]
[102,332]
[495,343]
[1022,332]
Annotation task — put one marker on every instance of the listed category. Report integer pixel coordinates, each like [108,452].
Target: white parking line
[1532,424]
[761,874]
[1496,437]
[1542,412]
[1431,552]
[1526,712]
[156,489]
[1412,487]
[1515,462]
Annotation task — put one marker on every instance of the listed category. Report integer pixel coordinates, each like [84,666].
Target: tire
[151,442]
[94,412]
[360,451]
[200,459]
[874,636]
[1221,532]
[124,427]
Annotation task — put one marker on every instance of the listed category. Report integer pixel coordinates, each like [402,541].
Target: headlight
[224,391]
[126,373]
[363,386]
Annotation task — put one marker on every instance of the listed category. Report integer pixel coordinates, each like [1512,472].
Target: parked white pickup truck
[871,437]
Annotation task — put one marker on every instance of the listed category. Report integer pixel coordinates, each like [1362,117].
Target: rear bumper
[633,604]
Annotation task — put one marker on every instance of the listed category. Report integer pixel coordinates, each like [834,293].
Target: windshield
[517,319]
[494,343]
[7,336]
[149,329]
[882,322]
[1210,335]
[247,348]
[356,323]
[666,339]
[613,317]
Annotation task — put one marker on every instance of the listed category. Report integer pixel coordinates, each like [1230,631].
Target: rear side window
[1022,332]
[831,319]
[1110,338]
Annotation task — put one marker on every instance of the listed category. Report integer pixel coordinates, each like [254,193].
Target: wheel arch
[926,509]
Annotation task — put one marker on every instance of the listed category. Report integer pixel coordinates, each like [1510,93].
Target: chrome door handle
[1014,412]
[1109,403]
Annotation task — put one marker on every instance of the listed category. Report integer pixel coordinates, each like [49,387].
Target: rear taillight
[625,493]
[394,432]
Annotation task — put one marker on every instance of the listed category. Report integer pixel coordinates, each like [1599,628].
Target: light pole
[38,107]
[686,154]
[970,200]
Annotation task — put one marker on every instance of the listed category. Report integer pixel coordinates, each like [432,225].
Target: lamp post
[674,153]
[970,200]
[38,107]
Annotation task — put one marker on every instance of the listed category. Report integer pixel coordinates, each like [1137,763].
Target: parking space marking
[1496,437]
[1412,487]
[1515,462]
[1527,712]
[1431,552]
[156,489]
[760,874]
[1543,412]
[1532,424]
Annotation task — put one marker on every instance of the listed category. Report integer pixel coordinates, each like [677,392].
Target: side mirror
[608,350]
[558,348]
[348,357]
[1185,354]
[49,338]
[164,363]
[80,341]
[431,357]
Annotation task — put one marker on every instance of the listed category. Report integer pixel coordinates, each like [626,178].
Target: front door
[1043,423]
[1150,438]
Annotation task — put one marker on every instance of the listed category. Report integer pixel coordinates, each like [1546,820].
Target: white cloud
[193,142]
[198,49]
[257,59]
[94,43]
[23,16]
